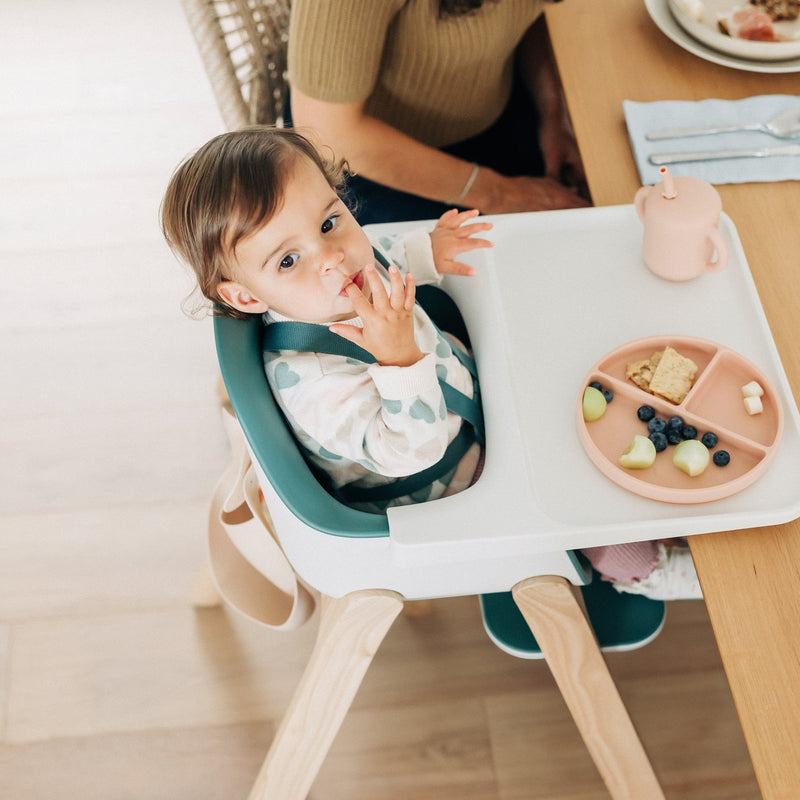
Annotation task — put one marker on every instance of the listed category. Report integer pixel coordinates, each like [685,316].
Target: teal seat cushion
[620,621]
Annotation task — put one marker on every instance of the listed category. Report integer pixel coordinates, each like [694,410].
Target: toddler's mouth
[357,279]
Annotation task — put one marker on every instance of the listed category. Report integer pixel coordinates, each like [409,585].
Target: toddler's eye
[329,224]
[287,262]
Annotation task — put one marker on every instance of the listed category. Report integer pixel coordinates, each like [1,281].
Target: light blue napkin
[644,117]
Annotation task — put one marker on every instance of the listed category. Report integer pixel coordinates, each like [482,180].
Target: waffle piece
[641,372]
[666,374]
[673,377]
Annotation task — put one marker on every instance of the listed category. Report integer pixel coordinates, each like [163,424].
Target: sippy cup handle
[638,200]
[722,251]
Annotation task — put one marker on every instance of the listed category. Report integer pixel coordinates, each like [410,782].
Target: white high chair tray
[558,291]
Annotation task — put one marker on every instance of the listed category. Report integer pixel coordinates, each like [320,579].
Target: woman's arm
[556,139]
[384,154]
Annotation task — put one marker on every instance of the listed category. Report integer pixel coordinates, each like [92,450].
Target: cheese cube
[752,389]
[752,405]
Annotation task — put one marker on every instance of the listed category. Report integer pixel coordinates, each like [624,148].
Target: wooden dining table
[612,51]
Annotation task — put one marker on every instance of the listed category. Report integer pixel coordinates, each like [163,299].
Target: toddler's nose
[332,259]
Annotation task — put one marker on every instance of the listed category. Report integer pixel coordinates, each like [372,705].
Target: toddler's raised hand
[388,331]
[452,236]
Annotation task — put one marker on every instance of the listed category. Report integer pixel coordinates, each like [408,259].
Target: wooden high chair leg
[569,645]
[351,629]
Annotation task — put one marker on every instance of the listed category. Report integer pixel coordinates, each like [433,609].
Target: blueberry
[646,413]
[596,385]
[608,394]
[689,432]
[710,440]
[674,435]
[722,458]
[675,423]
[657,425]
[659,440]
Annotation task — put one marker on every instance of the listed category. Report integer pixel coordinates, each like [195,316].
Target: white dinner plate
[668,25]
[707,31]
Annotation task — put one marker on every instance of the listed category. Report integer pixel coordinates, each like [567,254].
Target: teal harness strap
[310,337]
[467,408]
[314,338]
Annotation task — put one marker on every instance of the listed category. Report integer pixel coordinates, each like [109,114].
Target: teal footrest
[620,621]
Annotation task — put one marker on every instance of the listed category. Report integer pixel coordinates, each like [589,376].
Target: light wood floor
[111,686]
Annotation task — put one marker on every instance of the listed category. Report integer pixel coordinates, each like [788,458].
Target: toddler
[385,405]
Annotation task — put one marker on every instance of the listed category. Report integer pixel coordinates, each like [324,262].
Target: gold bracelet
[467,185]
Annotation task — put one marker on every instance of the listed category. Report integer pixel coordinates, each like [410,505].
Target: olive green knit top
[440,80]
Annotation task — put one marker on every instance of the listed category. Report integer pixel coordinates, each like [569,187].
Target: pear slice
[640,455]
[692,457]
[594,404]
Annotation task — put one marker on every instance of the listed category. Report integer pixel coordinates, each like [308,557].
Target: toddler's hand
[452,236]
[388,331]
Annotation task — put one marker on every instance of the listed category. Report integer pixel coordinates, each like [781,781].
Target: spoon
[785,125]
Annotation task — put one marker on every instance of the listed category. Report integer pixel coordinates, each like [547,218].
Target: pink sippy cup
[680,217]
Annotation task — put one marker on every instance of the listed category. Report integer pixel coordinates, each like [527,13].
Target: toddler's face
[299,262]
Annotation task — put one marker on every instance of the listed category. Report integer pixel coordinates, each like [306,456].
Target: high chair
[365,566]
[364,576]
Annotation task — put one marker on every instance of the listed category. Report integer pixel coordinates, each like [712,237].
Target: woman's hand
[562,158]
[388,331]
[498,194]
[452,236]
[556,138]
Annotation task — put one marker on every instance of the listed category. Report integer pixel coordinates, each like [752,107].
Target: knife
[708,155]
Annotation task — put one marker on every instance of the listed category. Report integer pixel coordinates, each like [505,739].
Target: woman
[435,103]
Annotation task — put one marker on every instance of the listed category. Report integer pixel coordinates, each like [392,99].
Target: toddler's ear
[238,297]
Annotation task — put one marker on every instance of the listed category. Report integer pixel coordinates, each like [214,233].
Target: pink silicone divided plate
[714,403]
